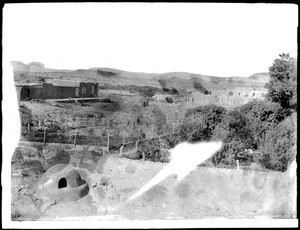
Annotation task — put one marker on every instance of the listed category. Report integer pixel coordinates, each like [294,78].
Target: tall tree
[283,83]
[147,93]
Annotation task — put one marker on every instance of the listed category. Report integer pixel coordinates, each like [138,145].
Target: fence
[52,131]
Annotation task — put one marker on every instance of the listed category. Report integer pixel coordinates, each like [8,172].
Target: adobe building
[57,89]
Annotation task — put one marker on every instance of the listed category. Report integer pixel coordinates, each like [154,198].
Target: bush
[155,150]
[159,118]
[173,140]
[25,115]
[169,99]
[261,115]
[279,147]
[233,128]
[211,116]
[236,136]
[193,132]
[227,156]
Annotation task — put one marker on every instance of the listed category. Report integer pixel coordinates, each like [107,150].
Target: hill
[179,80]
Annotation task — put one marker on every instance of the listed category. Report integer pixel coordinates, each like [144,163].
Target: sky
[213,39]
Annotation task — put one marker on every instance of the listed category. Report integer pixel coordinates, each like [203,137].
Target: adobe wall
[49,91]
[88,92]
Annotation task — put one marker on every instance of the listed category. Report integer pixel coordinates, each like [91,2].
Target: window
[77,92]
[83,90]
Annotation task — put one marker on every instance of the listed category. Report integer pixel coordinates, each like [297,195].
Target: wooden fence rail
[46,131]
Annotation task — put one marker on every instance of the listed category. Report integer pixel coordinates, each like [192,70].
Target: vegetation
[169,99]
[283,84]
[267,127]
[156,150]
[279,146]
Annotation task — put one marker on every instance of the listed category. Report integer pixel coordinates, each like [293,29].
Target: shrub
[25,115]
[211,116]
[155,150]
[173,140]
[235,134]
[227,156]
[169,99]
[262,115]
[279,147]
[159,119]
[193,132]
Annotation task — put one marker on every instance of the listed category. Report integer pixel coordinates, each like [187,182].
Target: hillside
[180,80]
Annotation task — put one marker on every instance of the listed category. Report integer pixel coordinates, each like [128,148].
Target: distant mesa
[177,80]
[33,67]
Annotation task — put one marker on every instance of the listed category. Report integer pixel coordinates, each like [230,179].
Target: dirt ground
[204,193]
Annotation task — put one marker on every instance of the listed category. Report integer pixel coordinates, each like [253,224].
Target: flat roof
[27,84]
[67,83]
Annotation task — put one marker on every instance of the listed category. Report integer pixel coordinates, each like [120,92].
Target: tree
[236,136]
[159,118]
[283,83]
[209,115]
[169,99]
[279,148]
[193,132]
[174,91]
[261,115]
[163,84]
[137,121]
[147,93]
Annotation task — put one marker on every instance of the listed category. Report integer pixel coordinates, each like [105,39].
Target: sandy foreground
[206,193]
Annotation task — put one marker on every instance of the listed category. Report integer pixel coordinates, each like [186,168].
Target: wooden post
[77,121]
[85,120]
[123,138]
[75,138]
[237,164]
[108,142]
[45,135]
[28,127]
[173,128]
[136,145]
[40,125]
[65,123]
[138,134]
[121,150]
[93,121]
[144,156]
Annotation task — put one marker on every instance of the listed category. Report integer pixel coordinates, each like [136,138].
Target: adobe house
[57,89]
[160,97]
[24,89]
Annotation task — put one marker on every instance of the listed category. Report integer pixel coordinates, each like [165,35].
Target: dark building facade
[57,90]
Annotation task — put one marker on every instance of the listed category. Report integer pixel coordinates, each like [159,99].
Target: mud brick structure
[57,89]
